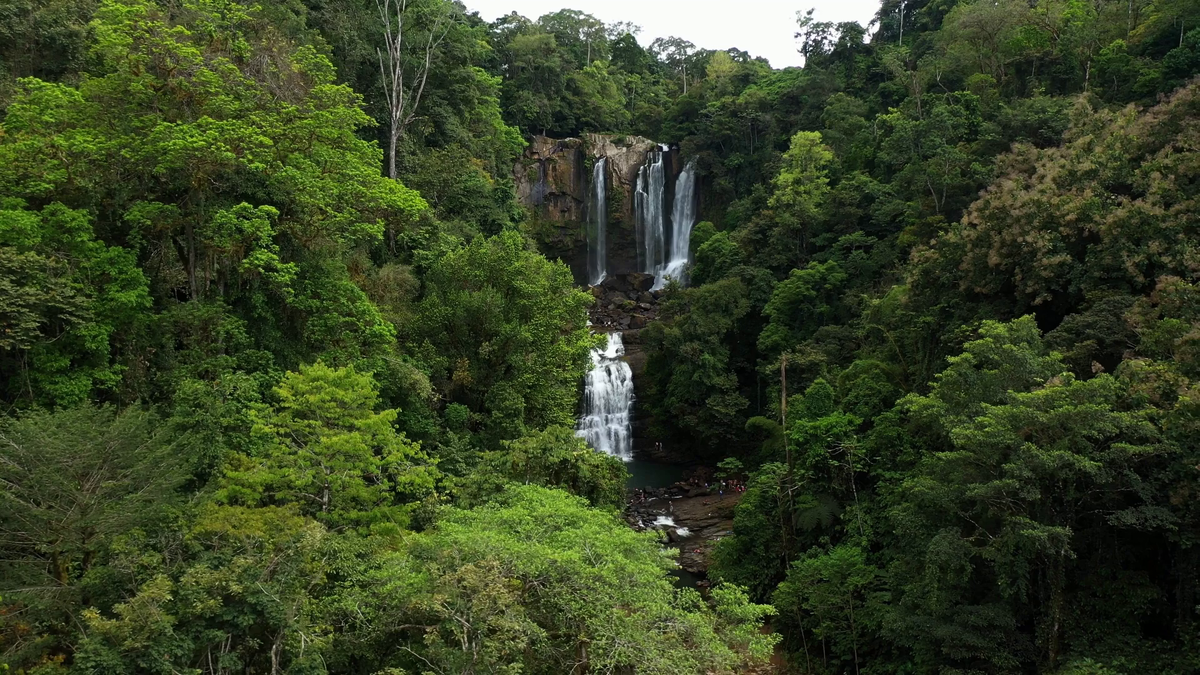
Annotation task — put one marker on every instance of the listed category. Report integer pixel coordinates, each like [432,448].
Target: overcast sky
[761,27]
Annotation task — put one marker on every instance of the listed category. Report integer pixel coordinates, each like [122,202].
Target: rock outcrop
[624,302]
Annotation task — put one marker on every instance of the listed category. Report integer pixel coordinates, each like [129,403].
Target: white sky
[761,27]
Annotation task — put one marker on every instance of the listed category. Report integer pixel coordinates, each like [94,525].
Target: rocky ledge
[624,302]
[691,515]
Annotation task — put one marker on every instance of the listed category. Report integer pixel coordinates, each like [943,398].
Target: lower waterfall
[608,401]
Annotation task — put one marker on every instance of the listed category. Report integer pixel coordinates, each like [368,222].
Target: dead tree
[412,33]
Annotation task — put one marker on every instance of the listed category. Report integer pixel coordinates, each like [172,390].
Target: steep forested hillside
[289,370]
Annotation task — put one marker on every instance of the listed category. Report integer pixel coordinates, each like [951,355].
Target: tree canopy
[289,374]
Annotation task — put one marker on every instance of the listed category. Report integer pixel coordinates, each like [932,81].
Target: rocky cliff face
[552,182]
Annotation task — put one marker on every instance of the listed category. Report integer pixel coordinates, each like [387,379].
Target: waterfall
[597,225]
[608,401]
[683,218]
[649,203]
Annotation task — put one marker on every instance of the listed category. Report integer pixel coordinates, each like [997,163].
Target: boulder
[642,283]
[617,282]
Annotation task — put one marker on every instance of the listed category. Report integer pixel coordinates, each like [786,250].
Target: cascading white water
[608,401]
[597,225]
[649,204]
[683,218]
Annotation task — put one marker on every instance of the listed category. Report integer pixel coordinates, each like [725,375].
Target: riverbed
[690,516]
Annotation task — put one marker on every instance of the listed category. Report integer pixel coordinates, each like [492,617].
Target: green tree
[331,456]
[808,299]
[1098,186]
[801,191]
[555,458]
[71,483]
[580,34]
[690,371]
[538,582]
[231,168]
[1037,463]
[246,598]
[827,597]
[71,304]
[505,331]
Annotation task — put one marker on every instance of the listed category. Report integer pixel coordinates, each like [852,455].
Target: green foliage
[193,206]
[1035,457]
[690,366]
[801,190]
[329,452]
[800,305]
[747,558]
[555,458]
[1090,215]
[244,599]
[506,333]
[729,467]
[72,483]
[70,303]
[827,597]
[185,171]
[459,188]
[539,582]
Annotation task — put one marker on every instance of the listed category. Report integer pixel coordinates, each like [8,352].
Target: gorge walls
[605,204]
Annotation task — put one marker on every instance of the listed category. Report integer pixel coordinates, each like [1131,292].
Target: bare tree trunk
[393,141]
[404,83]
[1057,609]
[276,652]
[783,412]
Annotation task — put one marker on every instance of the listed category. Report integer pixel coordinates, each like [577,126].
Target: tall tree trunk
[393,141]
[404,75]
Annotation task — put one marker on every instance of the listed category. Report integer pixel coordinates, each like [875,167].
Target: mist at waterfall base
[606,423]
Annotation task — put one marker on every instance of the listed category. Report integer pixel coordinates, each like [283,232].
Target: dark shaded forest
[288,382]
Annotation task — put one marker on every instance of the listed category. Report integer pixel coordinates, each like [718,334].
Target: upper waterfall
[608,401]
[683,218]
[649,210]
[597,239]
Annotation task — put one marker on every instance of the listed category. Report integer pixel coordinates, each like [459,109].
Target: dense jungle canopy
[288,381]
